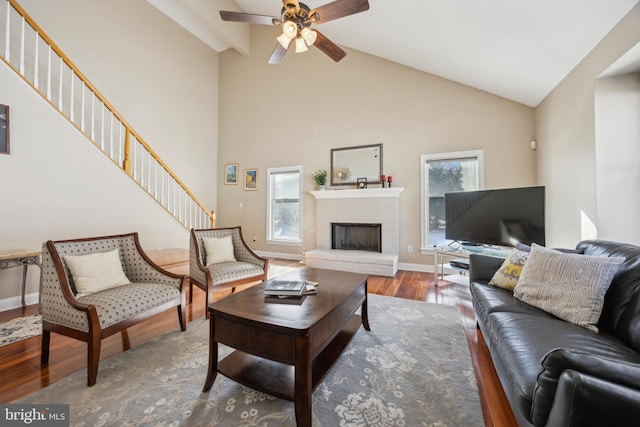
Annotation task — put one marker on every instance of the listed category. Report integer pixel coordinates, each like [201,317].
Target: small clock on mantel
[361,183]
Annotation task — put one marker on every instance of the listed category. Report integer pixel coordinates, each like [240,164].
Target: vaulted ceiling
[516,49]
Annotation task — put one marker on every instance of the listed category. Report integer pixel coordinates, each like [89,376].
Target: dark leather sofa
[553,372]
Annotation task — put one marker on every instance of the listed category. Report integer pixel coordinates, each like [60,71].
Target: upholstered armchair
[220,259]
[81,299]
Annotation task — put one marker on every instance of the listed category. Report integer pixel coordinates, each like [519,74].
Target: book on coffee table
[284,287]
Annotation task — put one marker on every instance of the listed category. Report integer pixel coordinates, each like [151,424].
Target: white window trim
[269,239]
[424,158]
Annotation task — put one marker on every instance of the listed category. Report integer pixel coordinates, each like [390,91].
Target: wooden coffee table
[285,350]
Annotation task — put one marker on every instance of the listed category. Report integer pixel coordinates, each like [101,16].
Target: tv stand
[442,253]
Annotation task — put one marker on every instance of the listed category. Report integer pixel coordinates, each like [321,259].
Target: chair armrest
[483,267]
[558,361]
[59,304]
[586,401]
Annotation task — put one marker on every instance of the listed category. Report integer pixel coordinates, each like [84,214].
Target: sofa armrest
[558,361]
[586,401]
[483,267]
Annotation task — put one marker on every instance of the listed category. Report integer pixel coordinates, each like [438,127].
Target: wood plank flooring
[22,374]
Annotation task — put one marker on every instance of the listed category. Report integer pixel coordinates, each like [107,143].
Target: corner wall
[565,131]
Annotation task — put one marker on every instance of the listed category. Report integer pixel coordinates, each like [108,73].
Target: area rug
[412,369]
[20,328]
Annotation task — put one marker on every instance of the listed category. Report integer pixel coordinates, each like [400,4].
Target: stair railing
[34,56]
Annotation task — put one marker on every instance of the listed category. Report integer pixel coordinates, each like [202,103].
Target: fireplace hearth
[356,237]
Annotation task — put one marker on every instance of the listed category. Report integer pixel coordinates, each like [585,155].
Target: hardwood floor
[22,374]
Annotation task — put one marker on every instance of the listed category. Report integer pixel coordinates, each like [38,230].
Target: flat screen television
[502,217]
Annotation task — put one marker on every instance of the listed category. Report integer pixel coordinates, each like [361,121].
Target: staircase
[29,52]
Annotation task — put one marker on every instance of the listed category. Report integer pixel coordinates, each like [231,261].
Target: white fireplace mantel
[358,194]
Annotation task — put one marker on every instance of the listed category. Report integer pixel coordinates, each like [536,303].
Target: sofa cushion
[96,272]
[521,340]
[124,302]
[509,272]
[621,310]
[218,250]
[231,271]
[569,286]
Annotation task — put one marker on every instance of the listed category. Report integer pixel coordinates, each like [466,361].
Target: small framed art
[4,129]
[251,179]
[361,183]
[231,174]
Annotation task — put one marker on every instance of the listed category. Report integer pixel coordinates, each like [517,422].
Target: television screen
[497,217]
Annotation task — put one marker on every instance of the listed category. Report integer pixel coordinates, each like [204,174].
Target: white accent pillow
[96,272]
[569,286]
[218,250]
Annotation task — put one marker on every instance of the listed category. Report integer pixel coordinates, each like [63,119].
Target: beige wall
[56,184]
[294,113]
[565,129]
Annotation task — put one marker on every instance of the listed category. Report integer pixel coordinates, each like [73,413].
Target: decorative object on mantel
[296,19]
[342,173]
[362,183]
[4,129]
[320,178]
[389,179]
[383,178]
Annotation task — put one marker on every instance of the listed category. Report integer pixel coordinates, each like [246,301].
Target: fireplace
[372,206]
[356,236]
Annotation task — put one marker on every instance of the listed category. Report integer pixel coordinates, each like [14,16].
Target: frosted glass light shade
[301,46]
[309,36]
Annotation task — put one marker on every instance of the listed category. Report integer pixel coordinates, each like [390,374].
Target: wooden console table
[17,258]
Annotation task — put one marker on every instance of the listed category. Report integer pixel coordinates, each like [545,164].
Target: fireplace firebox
[356,236]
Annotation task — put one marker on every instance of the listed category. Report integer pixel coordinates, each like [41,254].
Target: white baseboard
[423,268]
[16,302]
[280,255]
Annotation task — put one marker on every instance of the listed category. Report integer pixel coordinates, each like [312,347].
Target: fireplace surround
[368,206]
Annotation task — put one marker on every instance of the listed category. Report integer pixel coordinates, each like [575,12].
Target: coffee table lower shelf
[278,379]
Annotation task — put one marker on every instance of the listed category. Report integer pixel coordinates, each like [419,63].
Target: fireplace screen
[356,237]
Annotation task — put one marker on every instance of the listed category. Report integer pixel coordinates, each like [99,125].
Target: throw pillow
[509,272]
[96,272]
[569,286]
[218,250]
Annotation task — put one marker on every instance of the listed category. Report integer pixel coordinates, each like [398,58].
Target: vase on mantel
[322,187]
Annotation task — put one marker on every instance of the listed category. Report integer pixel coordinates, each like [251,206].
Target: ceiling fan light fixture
[284,40]
[301,46]
[290,29]
[309,36]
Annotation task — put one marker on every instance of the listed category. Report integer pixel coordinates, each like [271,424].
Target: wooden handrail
[129,131]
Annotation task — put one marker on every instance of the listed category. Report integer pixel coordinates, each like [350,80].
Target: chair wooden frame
[201,276]
[54,270]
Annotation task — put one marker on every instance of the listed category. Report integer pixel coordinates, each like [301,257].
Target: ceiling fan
[296,19]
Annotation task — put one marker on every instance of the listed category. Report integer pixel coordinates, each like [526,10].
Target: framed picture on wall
[251,179]
[231,174]
[4,129]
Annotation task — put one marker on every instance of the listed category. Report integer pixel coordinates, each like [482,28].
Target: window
[284,211]
[444,173]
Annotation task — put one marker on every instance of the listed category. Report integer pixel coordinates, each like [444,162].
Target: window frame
[425,246]
[269,236]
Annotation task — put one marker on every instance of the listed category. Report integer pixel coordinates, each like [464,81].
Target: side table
[17,258]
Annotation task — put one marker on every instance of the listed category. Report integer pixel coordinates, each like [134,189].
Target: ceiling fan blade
[278,54]
[249,18]
[338,9]
[291,4]
[331,49]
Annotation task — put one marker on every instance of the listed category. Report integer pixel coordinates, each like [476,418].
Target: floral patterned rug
[20,328]
[412,369]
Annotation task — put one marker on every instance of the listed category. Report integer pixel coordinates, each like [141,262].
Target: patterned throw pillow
[509,272]
[569,286]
